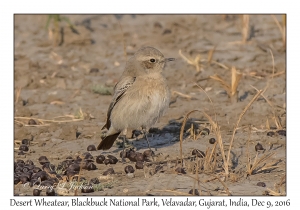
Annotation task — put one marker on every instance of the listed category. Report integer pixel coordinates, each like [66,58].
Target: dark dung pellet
[26,141]
[32,122]
[198,153]
[194,192]
[258,146]
[114,160]
[91,166]
[74,167]
[139,156]
[148,153]
[180,170]
[261,184]
[109,171]
[36,192]
[50,192]
[139,165]
[23,147]
[91,148]
[100,159]
[212,140]
[87,189]
[205,132]
[43,159]
[128,169]
[281,132]
[94,181]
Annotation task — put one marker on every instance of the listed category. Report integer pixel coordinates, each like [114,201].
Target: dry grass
[231,89]
[282,28]
[181,95]
[197,61]
[216,129]
[258,165]
[79,115]
[245,28]
[182,131]
[192,61]
[261,164]
[210,161]
[18,92]
[279,188]
[270,83]
[210,55]
[238,121]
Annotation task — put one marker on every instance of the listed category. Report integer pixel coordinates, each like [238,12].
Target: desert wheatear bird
[140,97]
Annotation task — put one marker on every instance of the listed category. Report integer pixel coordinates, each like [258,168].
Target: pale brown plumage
[140,98]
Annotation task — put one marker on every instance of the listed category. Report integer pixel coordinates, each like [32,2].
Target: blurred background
[66,59]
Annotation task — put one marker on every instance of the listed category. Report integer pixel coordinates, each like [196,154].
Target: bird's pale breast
[144,102]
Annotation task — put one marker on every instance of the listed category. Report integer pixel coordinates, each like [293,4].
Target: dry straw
[231,89]
[197,61]
[245,28]
[282,28]
[216,128]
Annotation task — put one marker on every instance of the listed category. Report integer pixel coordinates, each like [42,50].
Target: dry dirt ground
[63,80]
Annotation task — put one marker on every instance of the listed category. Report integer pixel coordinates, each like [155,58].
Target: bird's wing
[120,90]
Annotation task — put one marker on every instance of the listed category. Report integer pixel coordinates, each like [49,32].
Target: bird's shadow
[161,137]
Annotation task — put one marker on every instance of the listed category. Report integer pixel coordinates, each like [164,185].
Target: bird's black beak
[169,59]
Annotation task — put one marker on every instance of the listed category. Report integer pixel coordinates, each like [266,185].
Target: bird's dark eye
[152,60]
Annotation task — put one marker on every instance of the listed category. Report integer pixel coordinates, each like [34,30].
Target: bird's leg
[145,135]
[124,138]
[123,154]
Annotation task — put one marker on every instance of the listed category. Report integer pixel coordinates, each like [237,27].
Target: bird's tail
[107,142]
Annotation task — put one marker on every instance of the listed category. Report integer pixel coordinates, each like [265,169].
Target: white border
[153,6]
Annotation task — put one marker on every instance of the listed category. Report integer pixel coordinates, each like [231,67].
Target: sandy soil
[68,82]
